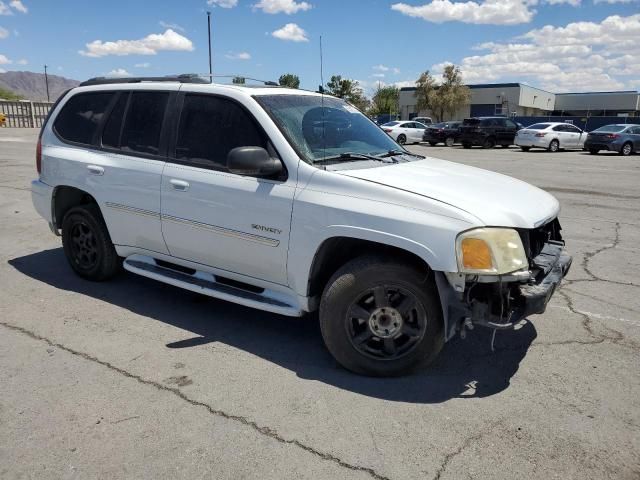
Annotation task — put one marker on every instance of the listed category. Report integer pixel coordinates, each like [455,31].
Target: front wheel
[626,149]
[402,139]
[489,143]
[554,146]
[449,141]
[381,318]
[87,245]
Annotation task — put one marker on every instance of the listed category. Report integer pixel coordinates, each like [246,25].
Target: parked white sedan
[550,135]
[405,132]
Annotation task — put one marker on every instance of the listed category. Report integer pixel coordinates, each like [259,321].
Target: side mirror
[253,161]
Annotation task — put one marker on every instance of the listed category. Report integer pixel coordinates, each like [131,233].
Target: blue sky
[560,45]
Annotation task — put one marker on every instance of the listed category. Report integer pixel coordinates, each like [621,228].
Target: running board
[205,283]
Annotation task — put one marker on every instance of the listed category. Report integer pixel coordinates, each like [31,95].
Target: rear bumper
[41,195]
[472,138]
[532,142]
[612,147]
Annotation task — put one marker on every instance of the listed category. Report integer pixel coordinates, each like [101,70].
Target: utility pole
[209,32]
[46,81]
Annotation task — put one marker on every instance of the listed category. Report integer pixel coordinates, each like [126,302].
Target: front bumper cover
[502,304]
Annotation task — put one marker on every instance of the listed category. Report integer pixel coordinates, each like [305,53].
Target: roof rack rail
[183,78]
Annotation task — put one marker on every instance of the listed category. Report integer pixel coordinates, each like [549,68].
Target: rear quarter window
[80,117]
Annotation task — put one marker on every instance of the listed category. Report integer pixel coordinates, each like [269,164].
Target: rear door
[122,167]
[214,217]
[575,136]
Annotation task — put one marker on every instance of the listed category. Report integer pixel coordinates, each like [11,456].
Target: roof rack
[183,78]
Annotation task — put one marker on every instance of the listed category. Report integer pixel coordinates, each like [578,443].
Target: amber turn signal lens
[476,254]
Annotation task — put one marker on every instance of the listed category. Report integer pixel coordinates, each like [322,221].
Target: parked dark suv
[488,132]
[444,132]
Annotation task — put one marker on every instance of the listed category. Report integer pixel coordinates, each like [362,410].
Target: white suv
[291,201]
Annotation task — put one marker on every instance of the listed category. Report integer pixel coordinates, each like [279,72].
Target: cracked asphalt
[135,379]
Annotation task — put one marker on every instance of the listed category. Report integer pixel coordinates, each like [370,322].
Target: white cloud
[223,3]
[282,6]
[495,12]
[118,72]
[4,33]
[22,61]
[149,45]
[579,56]
[4,9]
[4,60]
[396,71]
[291,32]
[142,65]
[381,68]
[613,1]
[378,75]
[19,6]
[173,26]
[238,56]
[573,3]
[2,70]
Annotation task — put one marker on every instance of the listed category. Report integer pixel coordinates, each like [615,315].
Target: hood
[495,199]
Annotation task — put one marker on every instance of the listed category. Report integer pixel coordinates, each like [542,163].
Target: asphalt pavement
[136,379]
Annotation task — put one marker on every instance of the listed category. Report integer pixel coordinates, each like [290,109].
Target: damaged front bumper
[500,302]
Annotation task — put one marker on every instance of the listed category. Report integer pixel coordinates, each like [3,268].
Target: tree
[349,90]
[385,100]
[9,95]
[289,80]
[447,97]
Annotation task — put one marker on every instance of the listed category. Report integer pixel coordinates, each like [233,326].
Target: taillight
[39,155]
[388,130]
[613,136]
[540,134]
[440,130]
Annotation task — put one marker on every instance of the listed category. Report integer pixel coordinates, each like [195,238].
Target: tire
[352,320]
[402,139]
[626,149]
[554,146]
[87,244]
[593,151]
[489,143]
[433,144]
[449,141]
[525,149]
[466,145]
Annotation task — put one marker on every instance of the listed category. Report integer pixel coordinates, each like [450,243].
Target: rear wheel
[626,149]
[402,139]
[593,151]
[554,146]
[525,149]
[381,318]
[489,143]
[87,244]
[449,141]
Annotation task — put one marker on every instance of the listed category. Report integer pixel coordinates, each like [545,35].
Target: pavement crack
[263,430]
[466,444]
[588,256]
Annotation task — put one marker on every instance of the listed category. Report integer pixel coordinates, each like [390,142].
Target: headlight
[490,251]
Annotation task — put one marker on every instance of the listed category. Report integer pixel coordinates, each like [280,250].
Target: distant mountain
[32,85]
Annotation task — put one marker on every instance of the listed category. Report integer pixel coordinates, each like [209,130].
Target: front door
[212,216]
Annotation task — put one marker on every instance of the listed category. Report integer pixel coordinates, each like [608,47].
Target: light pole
[209,33]
[46,82]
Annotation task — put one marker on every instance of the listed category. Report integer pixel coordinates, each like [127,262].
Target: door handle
[95,170]
[179,185]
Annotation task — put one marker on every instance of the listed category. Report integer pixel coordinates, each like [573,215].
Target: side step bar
[204,283]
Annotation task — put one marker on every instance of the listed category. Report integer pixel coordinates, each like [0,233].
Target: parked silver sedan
[551,136]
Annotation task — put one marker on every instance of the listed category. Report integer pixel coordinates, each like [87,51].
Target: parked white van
[292,201]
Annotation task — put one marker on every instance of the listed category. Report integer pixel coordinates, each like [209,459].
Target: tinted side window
[511,124]
[113,126]
[143,122]
[559,128]
[210,127]
[80,117]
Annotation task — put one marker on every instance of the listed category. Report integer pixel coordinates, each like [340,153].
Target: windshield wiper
[351,156]
[392,153]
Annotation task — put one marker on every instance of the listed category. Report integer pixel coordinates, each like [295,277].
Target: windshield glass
[611,128]
[538,126]
[320,127]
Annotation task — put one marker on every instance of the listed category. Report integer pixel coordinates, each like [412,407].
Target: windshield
[323,127]
[611,128]
[538,126]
